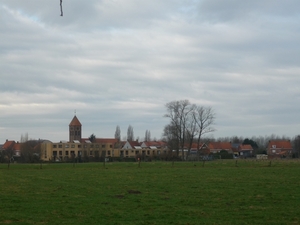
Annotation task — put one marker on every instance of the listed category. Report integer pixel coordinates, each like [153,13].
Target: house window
[103,146]
[121,153]
[67,152]
[274,151]
[66,146]
[91,152]
[79,146]
[72,146]
[110,146]
[55,153]
[126,152]
[54,146]
[73,153]
[158,152]
[148,152]
[60,152]
[108,152]
[97,146]
[60,146]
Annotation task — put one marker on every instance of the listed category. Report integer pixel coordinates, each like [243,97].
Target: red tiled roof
[245,148]
[155,143]
[17,146]
[75,122]
[282,144]
[134,143]
[220,145]
[106,140]
[8,144]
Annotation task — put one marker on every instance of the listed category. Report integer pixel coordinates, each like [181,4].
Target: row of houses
[78,147]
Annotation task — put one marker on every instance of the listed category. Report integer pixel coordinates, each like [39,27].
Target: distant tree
[8,154]
[204,117]
[30,151]
[187,123]
[296,144]
[130,134]
[147,135]
[118,133]
[178,112]
[92,138]
[169,136]
[250,142]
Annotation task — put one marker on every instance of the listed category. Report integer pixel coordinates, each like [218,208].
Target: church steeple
[75,130]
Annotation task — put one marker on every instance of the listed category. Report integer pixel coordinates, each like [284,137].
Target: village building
[86,149]
[279,149]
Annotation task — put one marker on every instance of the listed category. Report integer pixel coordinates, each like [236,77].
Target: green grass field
[221,192]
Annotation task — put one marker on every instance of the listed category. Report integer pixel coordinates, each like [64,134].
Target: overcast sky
[118,62]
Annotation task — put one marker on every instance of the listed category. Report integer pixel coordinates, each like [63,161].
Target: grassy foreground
[221,192]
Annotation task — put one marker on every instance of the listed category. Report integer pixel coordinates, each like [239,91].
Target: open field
[221,192]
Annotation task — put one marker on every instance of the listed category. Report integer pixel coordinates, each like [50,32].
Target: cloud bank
[119,62]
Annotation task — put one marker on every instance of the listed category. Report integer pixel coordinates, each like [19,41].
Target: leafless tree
[204,117]
[118,133]
[296,144]
[130,134]
[8,154]
[187,123]
[169,135]
[147,135]
[179,113]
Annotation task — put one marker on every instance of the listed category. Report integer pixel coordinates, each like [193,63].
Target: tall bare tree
[296,144]
[204,118]
[179,113]
[187,123]
[8,154]
[118,133]
[130,134]
[147,135]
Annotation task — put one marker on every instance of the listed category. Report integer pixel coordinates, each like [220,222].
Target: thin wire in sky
[61,9]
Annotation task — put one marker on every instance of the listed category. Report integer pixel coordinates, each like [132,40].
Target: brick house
[279,148]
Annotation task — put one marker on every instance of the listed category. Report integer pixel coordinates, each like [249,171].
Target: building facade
[83,149]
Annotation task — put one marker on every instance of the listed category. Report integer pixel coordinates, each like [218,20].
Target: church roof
[75,122]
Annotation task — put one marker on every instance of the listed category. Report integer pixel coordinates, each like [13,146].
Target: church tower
[75,130]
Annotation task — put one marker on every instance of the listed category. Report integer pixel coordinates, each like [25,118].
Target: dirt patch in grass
[119,196]
[134,192]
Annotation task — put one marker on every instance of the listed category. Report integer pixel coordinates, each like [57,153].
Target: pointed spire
[75,122]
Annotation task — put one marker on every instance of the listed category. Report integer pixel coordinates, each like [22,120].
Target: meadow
[186,193]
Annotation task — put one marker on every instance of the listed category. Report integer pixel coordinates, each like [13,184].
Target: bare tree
[118,133]
[8,154]
[179,112]
[187,123]
[169,135]
[147,135]
[204,117]
[130,134]
[296,143]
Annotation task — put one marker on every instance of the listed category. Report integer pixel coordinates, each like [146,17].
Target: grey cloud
[120,62]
